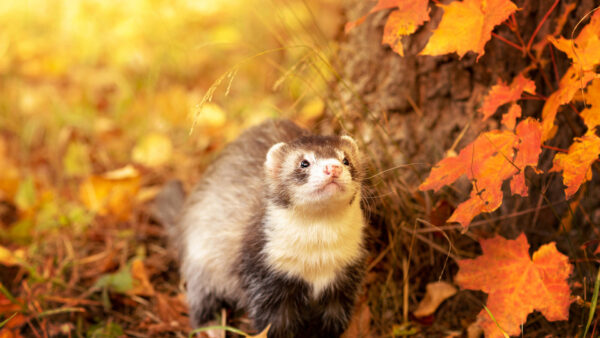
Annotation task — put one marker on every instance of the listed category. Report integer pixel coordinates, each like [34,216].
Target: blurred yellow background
[103,101]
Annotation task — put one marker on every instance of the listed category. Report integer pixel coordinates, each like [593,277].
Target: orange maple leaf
[570,83]
[591,115]
[517,284]
[467,26]
[404,21]
[585,49]
[576,164]
[509,119]
[487,162]
[501,94]
[529,150]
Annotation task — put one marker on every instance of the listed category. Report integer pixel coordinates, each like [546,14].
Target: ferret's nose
[335,170]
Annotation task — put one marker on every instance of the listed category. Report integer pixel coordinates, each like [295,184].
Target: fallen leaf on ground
[152,150]
[467,26]
[10,257]
[517,284]
[9,175]
[435,294]
[111,193]
[141,280]
[360,323]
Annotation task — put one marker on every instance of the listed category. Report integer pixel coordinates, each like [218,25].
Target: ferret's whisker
[394,168]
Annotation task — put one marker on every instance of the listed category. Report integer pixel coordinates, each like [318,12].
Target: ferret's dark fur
[275,227]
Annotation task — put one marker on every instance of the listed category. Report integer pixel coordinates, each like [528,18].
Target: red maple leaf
[501,94]
[488,162]
[404,21]
[517,284]
[509,119]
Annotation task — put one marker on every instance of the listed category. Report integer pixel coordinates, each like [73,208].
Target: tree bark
[411,110]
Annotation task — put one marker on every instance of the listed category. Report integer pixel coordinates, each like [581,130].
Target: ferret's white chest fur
[313,248]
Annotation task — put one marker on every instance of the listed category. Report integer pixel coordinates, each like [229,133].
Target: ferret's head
[314,172]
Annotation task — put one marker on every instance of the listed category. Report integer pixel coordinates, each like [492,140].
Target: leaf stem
[555,149]
[512,44]
[537,29]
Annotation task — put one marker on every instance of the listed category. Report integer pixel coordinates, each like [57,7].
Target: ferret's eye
[345,161]
[304,164]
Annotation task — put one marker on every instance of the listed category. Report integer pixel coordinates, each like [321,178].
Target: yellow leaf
[435,294]
[312,110]
[142,286]
[11,258]
[210,116]
[9,175]
[111,193]
[152,150]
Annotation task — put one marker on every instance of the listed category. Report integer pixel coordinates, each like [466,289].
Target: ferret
[275,227]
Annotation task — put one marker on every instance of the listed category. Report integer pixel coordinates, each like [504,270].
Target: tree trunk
[409,111]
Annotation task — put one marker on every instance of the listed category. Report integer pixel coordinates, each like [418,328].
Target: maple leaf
[529,150]
[585,49]
[510,118]
[501,94]
[517,284]
[570,83]
[576,164]
[487,162]
[404,21]
[591,115]
[467,26]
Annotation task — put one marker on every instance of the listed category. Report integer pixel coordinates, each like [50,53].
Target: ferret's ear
[351,141]
[273,161]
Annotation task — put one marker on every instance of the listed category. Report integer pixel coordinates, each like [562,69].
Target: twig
[537,29]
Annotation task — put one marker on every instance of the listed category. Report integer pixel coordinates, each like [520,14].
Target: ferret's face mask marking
[314,174]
